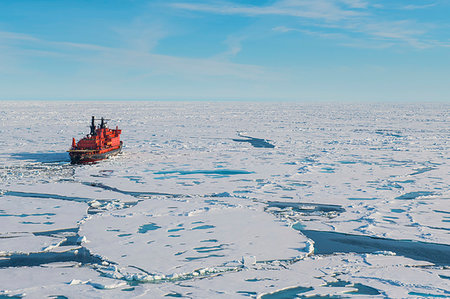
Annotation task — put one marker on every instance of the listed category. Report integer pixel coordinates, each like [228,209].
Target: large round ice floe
[170,236]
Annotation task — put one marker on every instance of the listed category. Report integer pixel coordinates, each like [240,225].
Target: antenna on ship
[103,123]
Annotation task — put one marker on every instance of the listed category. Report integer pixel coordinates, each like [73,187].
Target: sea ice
[188,210]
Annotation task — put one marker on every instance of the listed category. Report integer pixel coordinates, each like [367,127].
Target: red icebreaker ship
[101,143]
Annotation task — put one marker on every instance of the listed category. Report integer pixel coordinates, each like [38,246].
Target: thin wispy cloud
[344,40]
[313,9]
[402,31]
[143,33]
[13,37]
[16,36]
[131,58]
[376,34]
[324,35]
[356,3]
[348,16]
[416,7]
[234,44]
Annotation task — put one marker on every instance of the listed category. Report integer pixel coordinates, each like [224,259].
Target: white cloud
[356,3]
[344,40]
[403,31]
[324,35]
[143,33]
[370,34]
[234,44]
[313,9]
[414,7]
[137,59]
[16,36]
[350,17]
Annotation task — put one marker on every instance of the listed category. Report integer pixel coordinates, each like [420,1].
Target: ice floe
[167,236]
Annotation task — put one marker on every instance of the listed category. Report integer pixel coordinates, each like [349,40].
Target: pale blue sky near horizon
[301,50]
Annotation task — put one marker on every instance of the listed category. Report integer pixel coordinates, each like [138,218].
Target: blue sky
[305,50]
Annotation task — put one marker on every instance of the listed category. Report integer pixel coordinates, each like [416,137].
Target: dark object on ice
[255,142]
[100,144]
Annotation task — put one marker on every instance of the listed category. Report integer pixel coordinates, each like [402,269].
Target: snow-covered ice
[221,199]
[174,237]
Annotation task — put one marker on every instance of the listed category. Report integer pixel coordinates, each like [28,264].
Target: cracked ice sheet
[75,191]
[20,217]
[419,220]
[362,159]
[61,279]
[166,236]
[425,218]
[323,154]
[391,276]
[201,173]
[17,243]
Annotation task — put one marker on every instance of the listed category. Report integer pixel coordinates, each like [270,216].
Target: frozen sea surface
[225,200]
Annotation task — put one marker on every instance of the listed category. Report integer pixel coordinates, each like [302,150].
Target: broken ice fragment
[248,260]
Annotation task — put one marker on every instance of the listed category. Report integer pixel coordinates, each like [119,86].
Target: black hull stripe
[84,157]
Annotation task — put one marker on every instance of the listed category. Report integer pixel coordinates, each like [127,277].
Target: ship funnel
[93,126]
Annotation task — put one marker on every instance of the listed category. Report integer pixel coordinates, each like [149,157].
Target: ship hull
[89,156]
